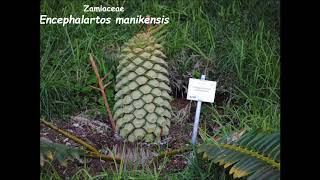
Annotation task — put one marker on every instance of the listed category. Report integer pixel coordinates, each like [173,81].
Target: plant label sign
[201,90]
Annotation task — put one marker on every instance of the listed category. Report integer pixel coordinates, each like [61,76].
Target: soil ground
[97,132]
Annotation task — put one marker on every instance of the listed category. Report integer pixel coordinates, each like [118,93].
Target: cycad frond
[253,155]
[61,152]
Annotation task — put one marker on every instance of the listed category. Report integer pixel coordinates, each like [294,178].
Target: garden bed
[97,132]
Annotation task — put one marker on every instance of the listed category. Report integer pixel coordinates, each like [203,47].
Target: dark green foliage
[235,43]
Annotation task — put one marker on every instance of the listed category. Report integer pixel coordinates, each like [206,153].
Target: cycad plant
[142,112]
[256,156]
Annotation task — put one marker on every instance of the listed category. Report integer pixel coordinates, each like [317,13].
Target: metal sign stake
[197,118]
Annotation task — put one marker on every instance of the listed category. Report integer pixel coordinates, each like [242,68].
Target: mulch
[102,138]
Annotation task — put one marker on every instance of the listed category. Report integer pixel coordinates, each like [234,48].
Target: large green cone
[142,108]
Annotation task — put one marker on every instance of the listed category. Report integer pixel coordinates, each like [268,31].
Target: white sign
[201,90]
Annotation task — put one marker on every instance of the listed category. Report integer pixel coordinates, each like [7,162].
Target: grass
[235,43]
